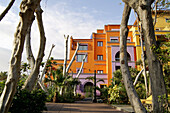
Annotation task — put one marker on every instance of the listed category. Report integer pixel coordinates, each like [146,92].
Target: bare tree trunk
[66,54]
[42,87]
[7,9]
[30,56]
[155,68]
[156,2]
[31,80]
[27,9]
[43,72]
[78,74]
[143,57]
[137,77]
[73,58]
[82,64]
[134,99]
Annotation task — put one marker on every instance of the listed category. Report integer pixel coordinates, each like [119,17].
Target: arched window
[88,87]
[117,56]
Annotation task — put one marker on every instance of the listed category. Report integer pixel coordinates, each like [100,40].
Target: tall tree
[27,9]
[32,78]
[134,99]
[143,10]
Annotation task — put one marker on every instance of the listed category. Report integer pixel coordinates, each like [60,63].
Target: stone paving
[80,107]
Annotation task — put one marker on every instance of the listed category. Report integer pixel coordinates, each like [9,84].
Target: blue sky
[77,18]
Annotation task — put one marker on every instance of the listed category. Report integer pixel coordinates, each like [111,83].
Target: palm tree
[57,80]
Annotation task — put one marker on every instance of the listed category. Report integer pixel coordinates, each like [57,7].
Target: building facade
[102,50]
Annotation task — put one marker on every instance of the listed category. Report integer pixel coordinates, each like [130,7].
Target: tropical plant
[118,87]
[58,83]
[114,94]
[89,90]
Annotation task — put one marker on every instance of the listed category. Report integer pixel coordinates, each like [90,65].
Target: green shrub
[28,102]
[66,97]
[117,90]
[2,85]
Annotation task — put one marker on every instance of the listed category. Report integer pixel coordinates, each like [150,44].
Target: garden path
[80,107]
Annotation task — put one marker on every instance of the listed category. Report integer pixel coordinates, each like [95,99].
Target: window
[99,43]
[80,58]
[99,57]
[99,71]
[157,29]
[129,39]
[115,29]
[83,47]
[114,40]
[117,56]
[117,67]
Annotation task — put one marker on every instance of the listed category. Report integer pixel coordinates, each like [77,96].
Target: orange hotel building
[102,50]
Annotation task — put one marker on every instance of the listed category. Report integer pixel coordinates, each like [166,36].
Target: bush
[28,102]
[66,97]
[118,94]
[2,85]
[117,90]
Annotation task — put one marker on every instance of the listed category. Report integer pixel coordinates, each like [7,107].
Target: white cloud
[59,19]
[4,59]
[7,28]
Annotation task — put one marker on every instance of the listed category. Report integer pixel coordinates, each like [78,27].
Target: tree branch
[156,2]
[7,9]
[136,79]
[82,64]
[30,56]
[43,72]
[73,58]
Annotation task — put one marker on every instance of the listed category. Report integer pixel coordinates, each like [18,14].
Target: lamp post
[94,95]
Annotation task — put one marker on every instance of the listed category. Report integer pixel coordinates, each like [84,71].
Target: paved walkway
[80,107]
